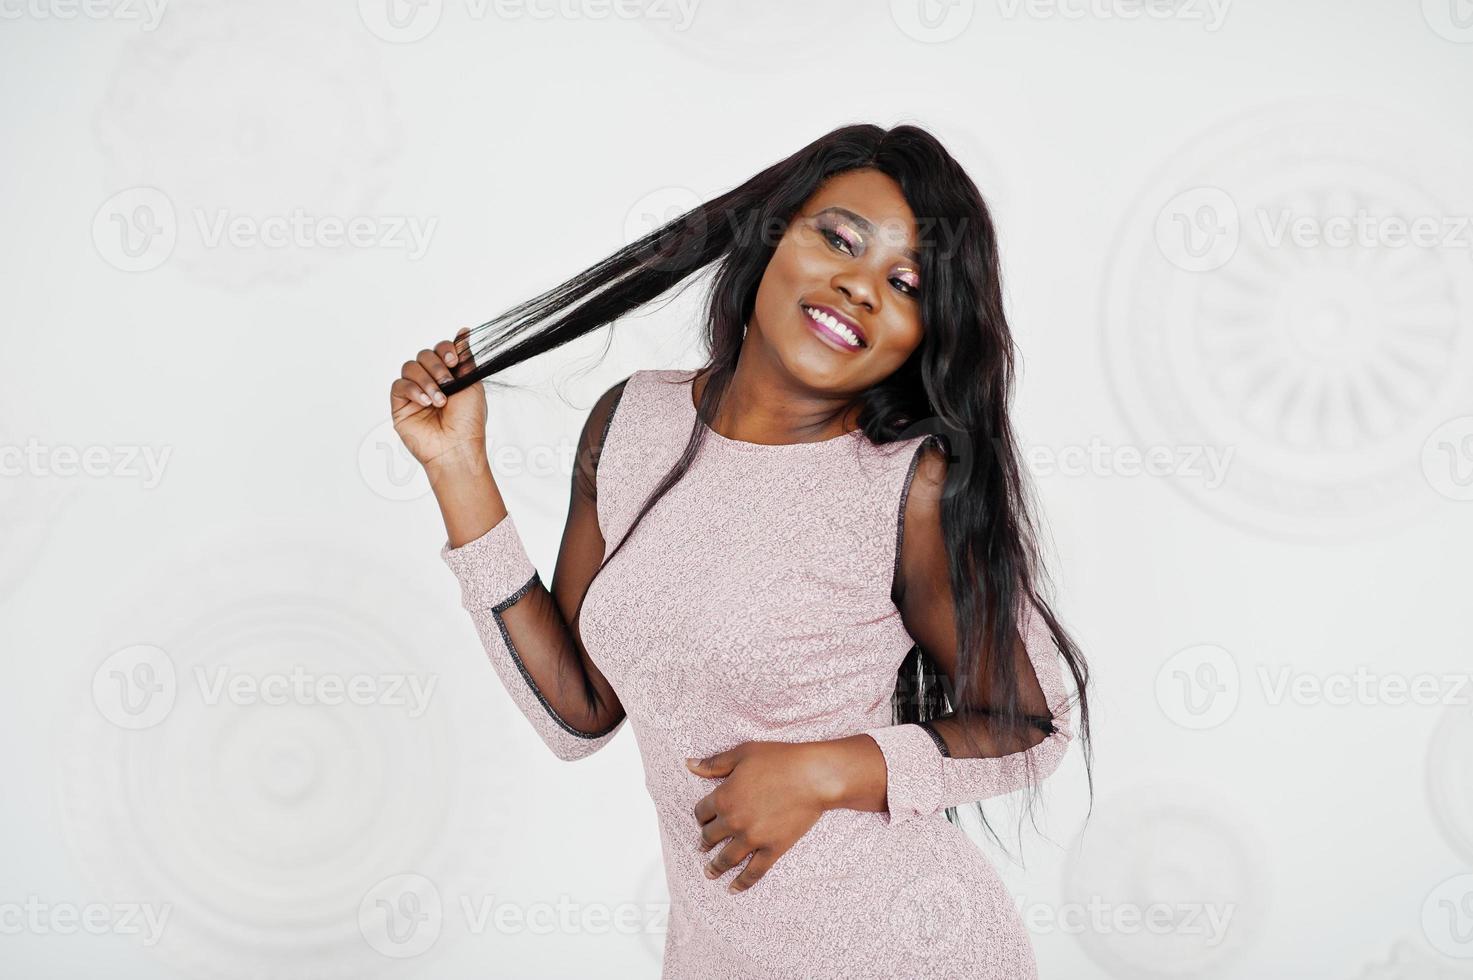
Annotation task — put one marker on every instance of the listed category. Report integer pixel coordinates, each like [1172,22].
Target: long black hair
[957,383]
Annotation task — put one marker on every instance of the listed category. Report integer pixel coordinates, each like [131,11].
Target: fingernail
[424,399]
[710,873]
[450,359]
[439,398]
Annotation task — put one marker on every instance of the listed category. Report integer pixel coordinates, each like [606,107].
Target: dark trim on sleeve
[521,667]
[603,436]
[915,461]
[936,737]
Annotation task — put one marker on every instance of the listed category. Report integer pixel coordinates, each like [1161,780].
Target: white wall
[1140,168]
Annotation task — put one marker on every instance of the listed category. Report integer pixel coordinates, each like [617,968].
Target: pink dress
[754,602]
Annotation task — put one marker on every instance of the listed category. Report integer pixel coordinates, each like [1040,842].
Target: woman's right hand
[432,427]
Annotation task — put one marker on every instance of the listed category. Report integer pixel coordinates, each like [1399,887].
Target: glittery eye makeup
[843,233]
[847,240]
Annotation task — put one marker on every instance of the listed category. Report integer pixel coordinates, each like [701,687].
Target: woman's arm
[913,770]
[530,633]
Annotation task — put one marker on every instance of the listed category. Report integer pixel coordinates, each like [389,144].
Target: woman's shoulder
[906,451]
[672,376]
[643,405]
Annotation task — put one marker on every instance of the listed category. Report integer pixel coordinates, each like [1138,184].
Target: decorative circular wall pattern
[1262,296]
[313,747]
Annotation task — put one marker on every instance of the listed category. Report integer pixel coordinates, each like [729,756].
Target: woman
[806,572]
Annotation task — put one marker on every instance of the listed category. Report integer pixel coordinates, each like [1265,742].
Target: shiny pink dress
[754,602]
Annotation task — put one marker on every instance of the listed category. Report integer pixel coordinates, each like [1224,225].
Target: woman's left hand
[771,794]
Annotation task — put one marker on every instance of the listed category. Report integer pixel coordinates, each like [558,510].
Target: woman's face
[849,255]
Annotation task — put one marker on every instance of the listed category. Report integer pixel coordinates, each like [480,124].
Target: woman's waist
[852,889]
[843,846]
[705,729]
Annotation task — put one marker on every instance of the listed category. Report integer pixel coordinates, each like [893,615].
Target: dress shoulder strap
[642,440]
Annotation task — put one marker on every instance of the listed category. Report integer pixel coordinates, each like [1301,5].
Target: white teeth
[833,324]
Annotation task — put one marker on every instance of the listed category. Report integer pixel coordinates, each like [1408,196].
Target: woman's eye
[836,239]
[839,241]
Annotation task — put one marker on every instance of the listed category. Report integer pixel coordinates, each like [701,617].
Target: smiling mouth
[839,333]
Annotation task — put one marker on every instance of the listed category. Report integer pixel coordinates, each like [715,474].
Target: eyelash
[829,233]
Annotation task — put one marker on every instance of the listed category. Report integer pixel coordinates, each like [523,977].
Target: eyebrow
[868,228]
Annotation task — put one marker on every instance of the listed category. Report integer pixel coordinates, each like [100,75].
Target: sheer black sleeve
[530,633]
[930,765]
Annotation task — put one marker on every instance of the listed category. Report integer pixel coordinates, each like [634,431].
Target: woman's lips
[832,328]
